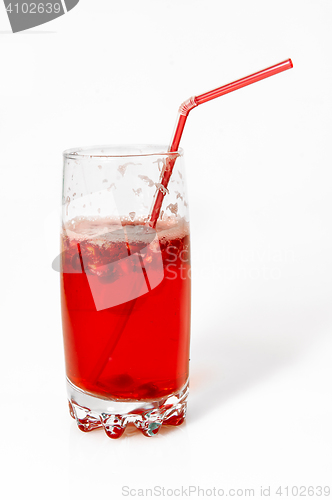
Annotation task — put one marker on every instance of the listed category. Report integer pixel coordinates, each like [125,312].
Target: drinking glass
[125,288]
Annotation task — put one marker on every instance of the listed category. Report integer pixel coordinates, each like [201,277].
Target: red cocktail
[125,290]
[150,358]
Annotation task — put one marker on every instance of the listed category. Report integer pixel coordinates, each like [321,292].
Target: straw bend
[187,106]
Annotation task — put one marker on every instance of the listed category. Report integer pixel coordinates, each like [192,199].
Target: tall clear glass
[125,288]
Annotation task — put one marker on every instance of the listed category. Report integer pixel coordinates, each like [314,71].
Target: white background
[258,167]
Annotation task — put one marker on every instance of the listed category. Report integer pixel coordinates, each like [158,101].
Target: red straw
[184,110]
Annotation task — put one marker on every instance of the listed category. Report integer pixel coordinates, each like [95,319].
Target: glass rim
[87,152]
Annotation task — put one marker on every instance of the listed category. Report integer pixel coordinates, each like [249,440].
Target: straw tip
[291,65]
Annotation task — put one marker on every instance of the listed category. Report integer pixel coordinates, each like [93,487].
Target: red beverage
[125,293]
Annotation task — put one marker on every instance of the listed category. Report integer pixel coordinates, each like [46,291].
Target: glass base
[91,412]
